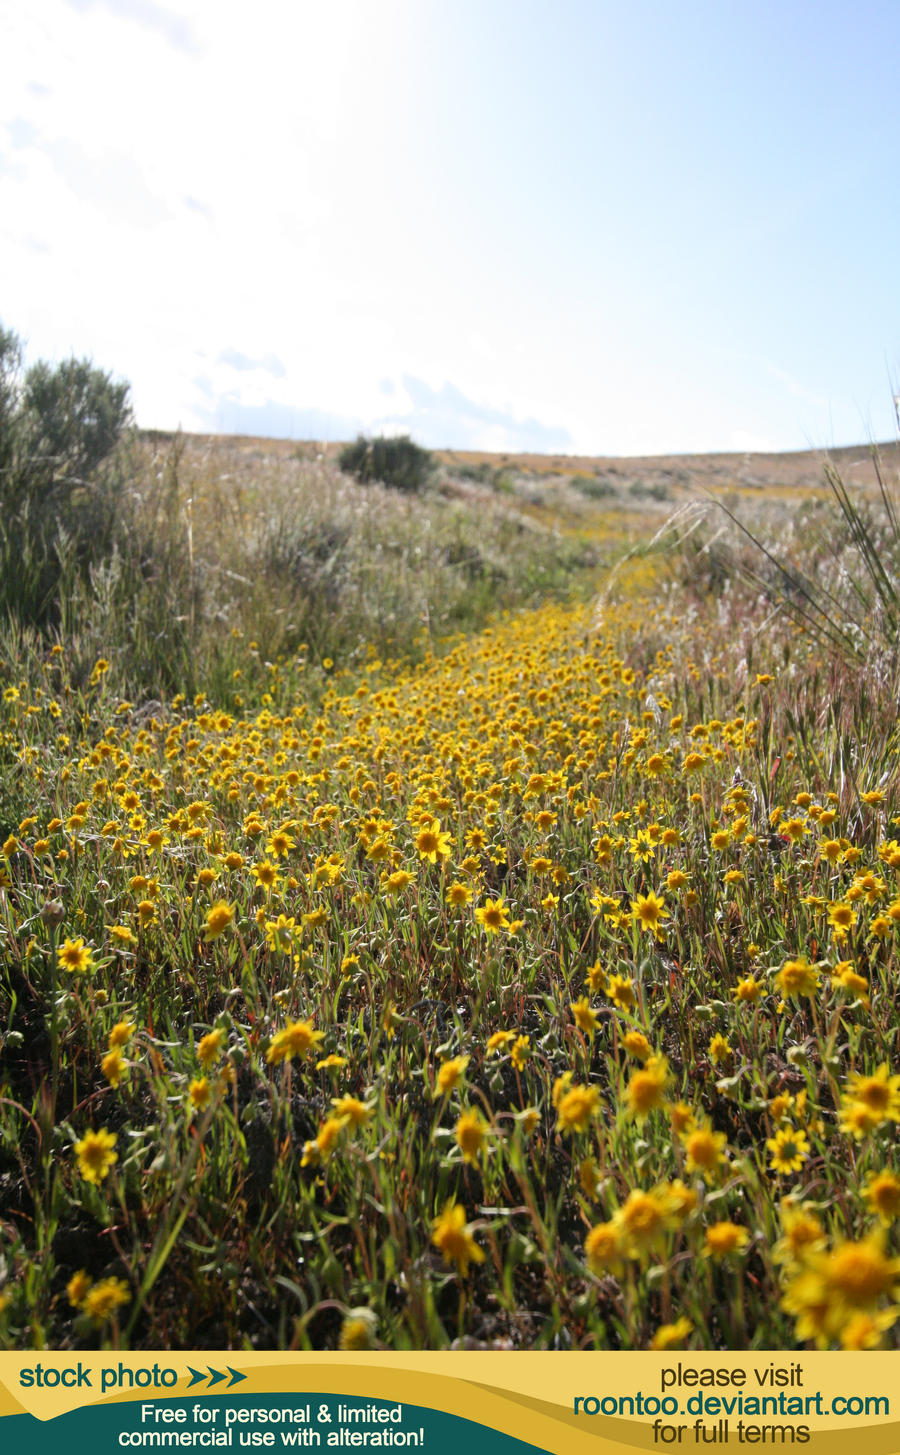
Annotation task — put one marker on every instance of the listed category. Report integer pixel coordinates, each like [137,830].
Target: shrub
[481,474]
[59,500]
[74,415]
[650,490]
[395,460]
[594,487]
[10,368]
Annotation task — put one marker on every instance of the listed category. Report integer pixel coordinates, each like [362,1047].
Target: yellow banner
[566,1402]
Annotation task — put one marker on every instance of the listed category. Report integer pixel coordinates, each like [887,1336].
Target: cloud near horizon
[244,364]
[437,418]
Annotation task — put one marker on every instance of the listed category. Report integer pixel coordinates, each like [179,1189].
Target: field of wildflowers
[538,993]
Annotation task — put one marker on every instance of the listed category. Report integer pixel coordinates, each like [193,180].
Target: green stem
[168,1233]
[54,1028]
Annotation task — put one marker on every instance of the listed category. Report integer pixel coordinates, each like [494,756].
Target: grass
[224,545]
[528,986]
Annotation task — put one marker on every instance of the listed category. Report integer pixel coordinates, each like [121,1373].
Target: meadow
[467,919]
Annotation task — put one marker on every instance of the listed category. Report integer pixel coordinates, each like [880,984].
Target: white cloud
[243,191]
[181,181]
[747,442]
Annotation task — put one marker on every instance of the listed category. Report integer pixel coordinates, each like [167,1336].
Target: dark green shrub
[650,490]
[594,487]
[59,496]
[10,371]
[481,473]
[395,460]
[74,415]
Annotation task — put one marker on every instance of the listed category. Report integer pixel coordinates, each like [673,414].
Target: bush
[59,500]
[74,415]
[481,474]
[596,487]
[650,490]
[395,460]
[10,391]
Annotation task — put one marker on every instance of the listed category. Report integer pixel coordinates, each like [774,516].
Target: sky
[608,227]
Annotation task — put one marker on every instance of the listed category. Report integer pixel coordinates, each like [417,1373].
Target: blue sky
[614,228]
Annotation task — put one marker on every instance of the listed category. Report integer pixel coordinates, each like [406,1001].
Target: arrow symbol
[215,1376]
